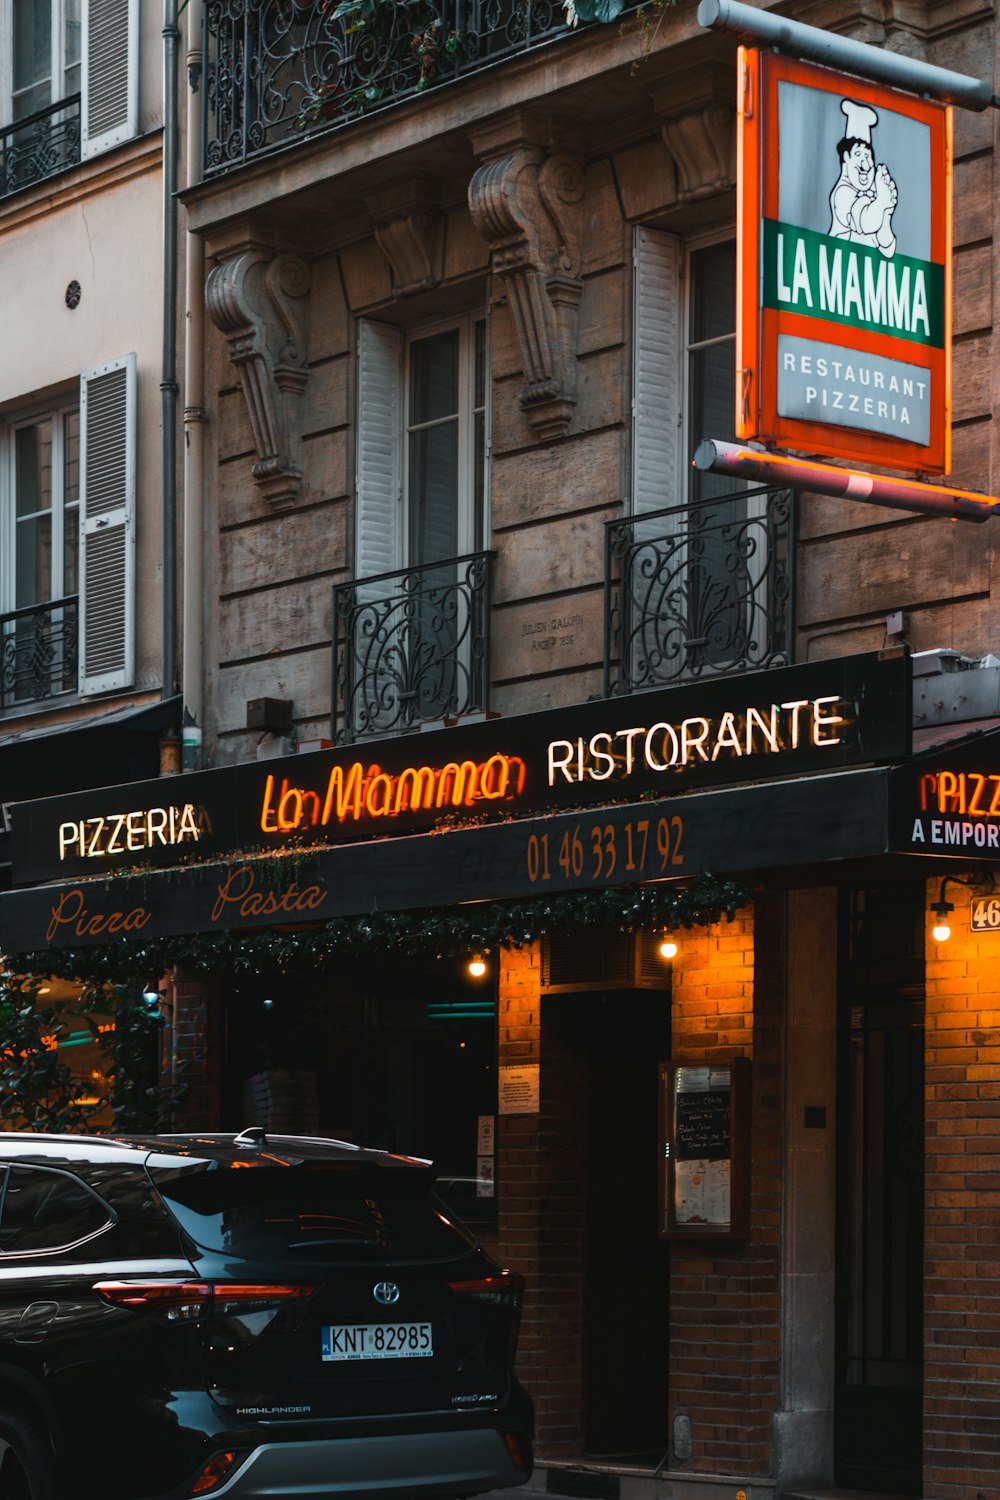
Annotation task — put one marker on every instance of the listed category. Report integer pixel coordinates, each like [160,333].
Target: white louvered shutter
[656,382]
[110,87]
[107,526]
[378,529]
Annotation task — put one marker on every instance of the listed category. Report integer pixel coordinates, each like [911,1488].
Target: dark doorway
[881,1171]
[608,1048]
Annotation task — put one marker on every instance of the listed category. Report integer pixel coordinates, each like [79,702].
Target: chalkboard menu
[704,1138]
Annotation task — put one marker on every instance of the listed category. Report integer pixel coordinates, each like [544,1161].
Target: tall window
[446,441]
[67,540]
[46,36]
[413,625]
[41,579]
[702,566]
[69,74]
[711,359]
[46,486]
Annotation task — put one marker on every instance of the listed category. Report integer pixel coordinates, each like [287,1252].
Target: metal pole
[168,382]
[844,55]
[192,569]
[848,484]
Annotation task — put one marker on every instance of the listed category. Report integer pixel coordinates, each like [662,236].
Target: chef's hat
[860,119]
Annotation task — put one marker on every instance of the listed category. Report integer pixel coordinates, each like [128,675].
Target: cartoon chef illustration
[864,196]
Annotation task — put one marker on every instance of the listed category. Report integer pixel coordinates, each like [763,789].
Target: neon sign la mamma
[358,792]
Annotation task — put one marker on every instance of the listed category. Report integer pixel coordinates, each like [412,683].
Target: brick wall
[542,1218]
[962,1210]
[724,1298]
[519,1042]
[724,1328]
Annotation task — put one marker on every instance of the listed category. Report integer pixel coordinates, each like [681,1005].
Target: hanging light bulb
[668,948]
[477,966]
[941,931]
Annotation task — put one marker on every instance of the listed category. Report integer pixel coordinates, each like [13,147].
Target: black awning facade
[807,820]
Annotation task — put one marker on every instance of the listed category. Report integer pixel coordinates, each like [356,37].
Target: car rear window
[46,1211]
[312,1212]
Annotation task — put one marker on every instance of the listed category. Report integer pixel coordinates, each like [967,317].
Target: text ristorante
[671,747]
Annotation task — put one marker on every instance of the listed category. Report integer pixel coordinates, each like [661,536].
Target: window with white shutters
[656,393]
[378,534]
[39,552]
[421,444]
[107,526]
[110,103]
[44,54]
[413,629]
[69,71]
[692,560]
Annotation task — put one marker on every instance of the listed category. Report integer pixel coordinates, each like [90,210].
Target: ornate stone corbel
[698,126]
[254,299]
[525,204]
[409,231]
[703,146]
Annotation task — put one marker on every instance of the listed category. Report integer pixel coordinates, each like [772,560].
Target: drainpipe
[168,382]
[193,664]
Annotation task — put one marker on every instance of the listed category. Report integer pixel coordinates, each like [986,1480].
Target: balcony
[277,69]
[411,647]
[40,145]
[698,591]
[38,653]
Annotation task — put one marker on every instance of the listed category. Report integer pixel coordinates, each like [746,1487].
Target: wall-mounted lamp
[477,966]
[668,947]
[941,931]
[982,883]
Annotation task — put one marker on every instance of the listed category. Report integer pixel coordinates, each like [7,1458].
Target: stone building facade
[468,308]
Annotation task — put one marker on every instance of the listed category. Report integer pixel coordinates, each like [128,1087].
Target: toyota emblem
[386,1292]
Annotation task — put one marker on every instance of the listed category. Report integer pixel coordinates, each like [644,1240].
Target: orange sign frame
[759,326]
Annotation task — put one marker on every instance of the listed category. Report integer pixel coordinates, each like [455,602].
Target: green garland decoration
[441,933]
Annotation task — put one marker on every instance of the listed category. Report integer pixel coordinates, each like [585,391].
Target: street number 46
[985,914]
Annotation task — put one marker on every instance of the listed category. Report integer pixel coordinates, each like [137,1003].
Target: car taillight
[504,1290]
[516,1451]
[215,1471]
[189,1301]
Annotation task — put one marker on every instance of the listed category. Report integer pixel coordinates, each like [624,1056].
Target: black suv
[247,1316]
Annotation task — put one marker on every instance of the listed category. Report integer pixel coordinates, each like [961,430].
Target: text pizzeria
[130,832]
[784,727]
[852,387]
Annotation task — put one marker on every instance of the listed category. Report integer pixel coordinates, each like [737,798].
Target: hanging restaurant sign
[820,716]
[844,267]
[948,801]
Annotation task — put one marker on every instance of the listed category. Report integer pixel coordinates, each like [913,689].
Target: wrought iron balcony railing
[38,652]
[276,68]
[40,145]
[411,647]
[699,590]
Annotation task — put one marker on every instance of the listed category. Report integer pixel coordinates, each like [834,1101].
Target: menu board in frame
[705,1149]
